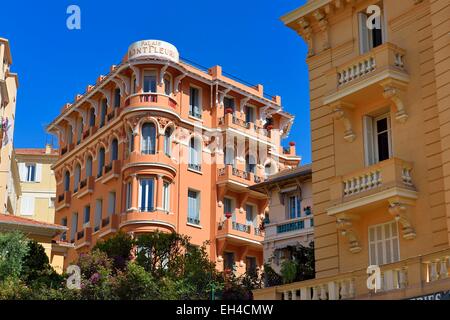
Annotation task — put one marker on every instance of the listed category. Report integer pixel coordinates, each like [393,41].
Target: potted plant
[228,215]
[292,144]
[228,110]
[269,127]
[307,211]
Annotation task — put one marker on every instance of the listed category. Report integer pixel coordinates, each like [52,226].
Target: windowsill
[195,118]
[195,171]
[194,225]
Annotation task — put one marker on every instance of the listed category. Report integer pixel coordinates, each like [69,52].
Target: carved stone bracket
[400,212]
[394,91]
[345,226]
[323,24]
[343,111]
[306,33]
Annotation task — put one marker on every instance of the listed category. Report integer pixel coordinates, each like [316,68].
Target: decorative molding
[394,91]
[400,212]
[343,111]
[345,226]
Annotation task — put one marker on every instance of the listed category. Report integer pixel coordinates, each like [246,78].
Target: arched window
[250,163]
[104,107]
[167,85]
[130,138]
[80,130]
[76,178]
[69,134]
[148,145]
[168,142]
[66,181]
[91,117]
[114,150]
[101,162]
[88,166]
[195,154]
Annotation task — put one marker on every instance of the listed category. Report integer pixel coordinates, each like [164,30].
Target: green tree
[117,248]
[13,249]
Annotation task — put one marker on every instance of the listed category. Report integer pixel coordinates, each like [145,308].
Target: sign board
[434,296]
[153,48]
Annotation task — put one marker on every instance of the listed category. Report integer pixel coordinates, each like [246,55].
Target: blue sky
[246,38]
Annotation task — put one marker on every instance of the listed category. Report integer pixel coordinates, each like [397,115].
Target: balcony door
[377,139]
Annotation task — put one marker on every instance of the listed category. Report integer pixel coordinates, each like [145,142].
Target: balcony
[367,75]
[389,181]
[151,100]
[239,233]
[237,177]
[148,221]
[83,238]
[232,121]
[64,200]
[405,279]
[112,171]
[303,226]
[86,187]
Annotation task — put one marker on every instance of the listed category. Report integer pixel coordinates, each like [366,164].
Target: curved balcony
[150,221]
[149,163]
[157,100]
[253,128]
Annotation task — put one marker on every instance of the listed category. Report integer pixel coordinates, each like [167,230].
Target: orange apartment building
[380,120]
[158,144]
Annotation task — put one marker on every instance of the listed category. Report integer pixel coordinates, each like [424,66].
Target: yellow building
[27,183]
[380,120]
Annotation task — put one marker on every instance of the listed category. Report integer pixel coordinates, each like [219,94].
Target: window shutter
[363,33]
[369,149]
[22,171]
[27,206]
[38,172]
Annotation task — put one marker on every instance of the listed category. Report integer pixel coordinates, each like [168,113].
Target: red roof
[8,218]
[36,151]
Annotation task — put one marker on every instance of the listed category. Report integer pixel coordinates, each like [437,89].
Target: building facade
[380,84]
[158,144]
[8,92]
[289,221]
[27,186]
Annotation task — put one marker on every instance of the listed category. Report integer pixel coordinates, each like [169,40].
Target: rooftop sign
[153,48]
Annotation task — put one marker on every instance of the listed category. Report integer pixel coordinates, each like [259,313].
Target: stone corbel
[137,74]
[176,85]
[162,73]
[323,24]
[400,212]
[94,103]
[126,81]
[220,195]
[61,131]
[243,102]
[242,200]
[107,94]
[306,33]
[345,226]
[222,96]
[72,123]
[83,115]
[119,83]
[394,91]
[343,111]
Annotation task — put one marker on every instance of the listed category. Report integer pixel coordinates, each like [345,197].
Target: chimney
[48,148]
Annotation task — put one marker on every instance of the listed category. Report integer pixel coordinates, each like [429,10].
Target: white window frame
[200,102]
[198,199]
[255,214]
[147,194]
[166,196]
[152,72]
[29,175]
[384,241]
[366,42]
[253,108]
[370,138]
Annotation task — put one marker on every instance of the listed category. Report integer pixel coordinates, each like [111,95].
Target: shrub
[13,249]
